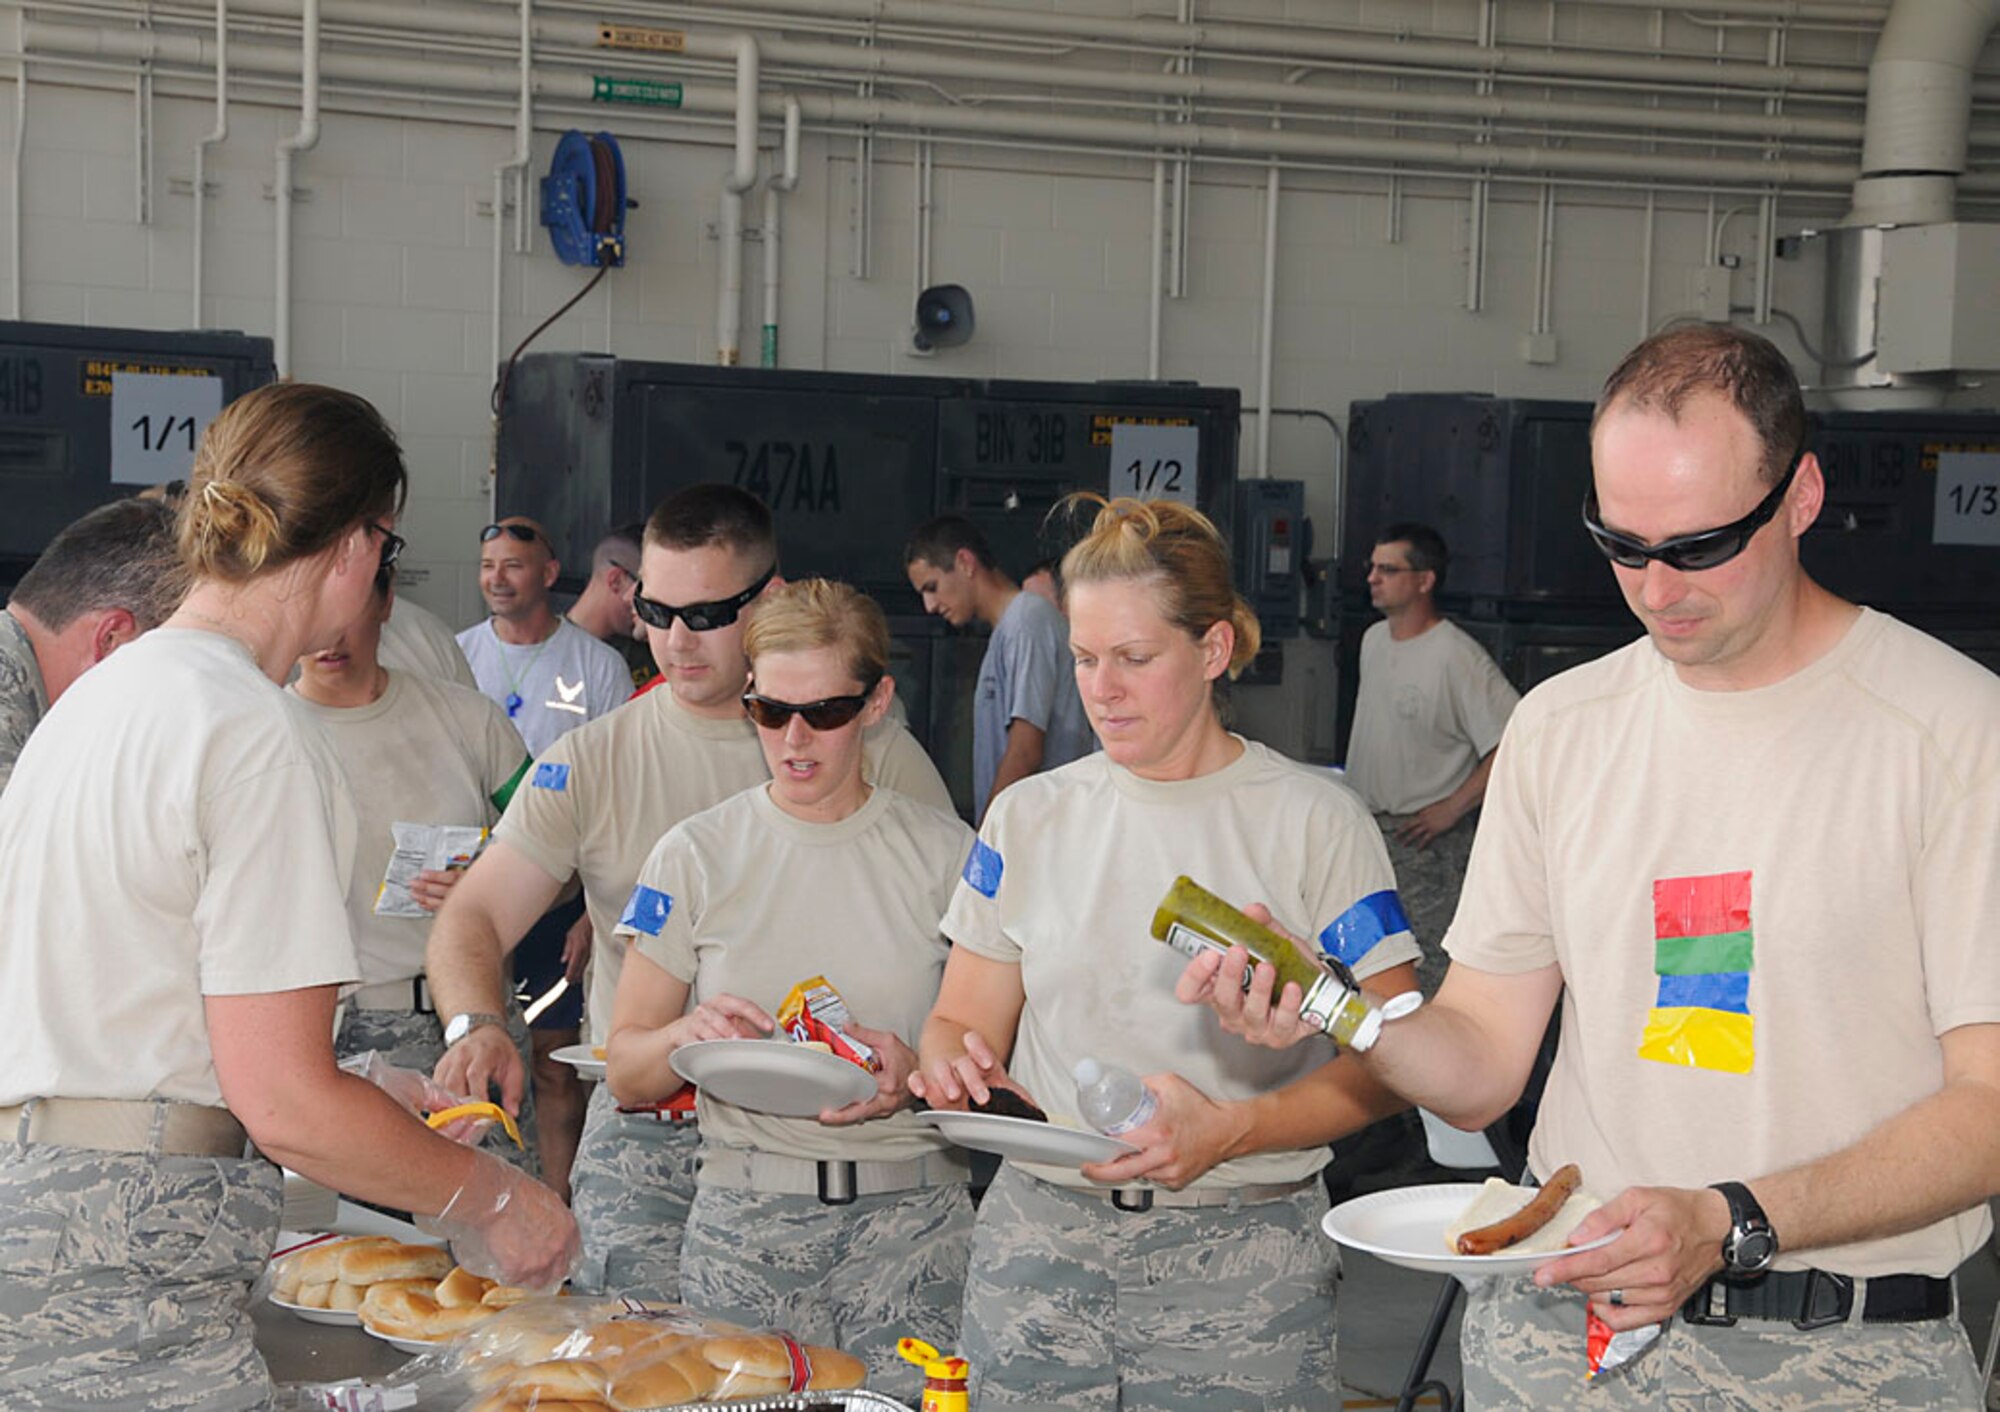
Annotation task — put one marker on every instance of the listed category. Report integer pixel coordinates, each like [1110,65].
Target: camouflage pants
[1524,1347]
[413,1041]
[1428,880]
[125,1279]
[630,1188]
[856,1277]
[1072,1304]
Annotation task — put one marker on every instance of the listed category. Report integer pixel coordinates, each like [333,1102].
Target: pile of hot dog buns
[403,1291]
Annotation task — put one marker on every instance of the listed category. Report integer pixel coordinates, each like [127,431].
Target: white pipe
[304,139]
[1646,271]
[1919,105]
[1267,328]
[1157,253]
[780,185]
[515,166]
[20,147]
[217,134]
[743,176]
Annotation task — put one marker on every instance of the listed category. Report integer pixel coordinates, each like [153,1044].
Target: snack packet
[1607,1349]
[813,1013]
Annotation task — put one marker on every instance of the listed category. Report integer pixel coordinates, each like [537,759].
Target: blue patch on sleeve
[983,867]
[1353,934]
[1711,990]
[551,777]
[647,911]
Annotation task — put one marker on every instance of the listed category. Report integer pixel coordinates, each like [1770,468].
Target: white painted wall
[393,268]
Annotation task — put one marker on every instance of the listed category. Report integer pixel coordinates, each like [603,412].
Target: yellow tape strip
[1697,1038]
[477,1110]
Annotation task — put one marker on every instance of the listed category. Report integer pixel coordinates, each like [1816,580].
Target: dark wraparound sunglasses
[700,617]
[828,715]
[1690,553]
[527,534]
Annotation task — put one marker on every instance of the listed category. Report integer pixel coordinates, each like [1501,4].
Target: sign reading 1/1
[1968,498]
[1155,462]
[156,423]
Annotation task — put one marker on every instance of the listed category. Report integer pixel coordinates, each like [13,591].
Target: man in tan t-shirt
[1427,718]
[1754,852]
[594,805]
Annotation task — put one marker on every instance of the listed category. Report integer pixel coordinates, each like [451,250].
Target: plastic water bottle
[1112,1099]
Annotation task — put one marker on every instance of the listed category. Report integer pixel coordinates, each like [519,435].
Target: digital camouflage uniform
[1233,1307]
[856,1277]
[125,1279]
[410,1040]
[24,700]
[630,1188]
[1524,1348]
[1428,880]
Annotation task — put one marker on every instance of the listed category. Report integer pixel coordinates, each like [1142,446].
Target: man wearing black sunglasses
[1755,855]
[596,803]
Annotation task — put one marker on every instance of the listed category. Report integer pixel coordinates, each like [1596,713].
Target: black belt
[1814,1299]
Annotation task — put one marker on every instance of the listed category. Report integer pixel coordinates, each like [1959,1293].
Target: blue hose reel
[583,200]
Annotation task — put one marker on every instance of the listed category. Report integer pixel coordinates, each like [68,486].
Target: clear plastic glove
[506,1226]
[417,1091]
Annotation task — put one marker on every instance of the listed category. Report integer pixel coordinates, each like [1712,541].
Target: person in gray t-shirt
[1026,716]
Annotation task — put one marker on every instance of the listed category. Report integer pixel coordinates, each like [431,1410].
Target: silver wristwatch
[465,1022]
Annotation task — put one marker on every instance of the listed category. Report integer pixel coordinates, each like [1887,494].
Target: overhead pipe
[217,134]
[780,185]
[303,139]
[742,176]
[1919,107]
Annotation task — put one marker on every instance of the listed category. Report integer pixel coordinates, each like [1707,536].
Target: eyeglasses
[828,715]
[1689,553]
[392,546]
[700,617]
[527,534]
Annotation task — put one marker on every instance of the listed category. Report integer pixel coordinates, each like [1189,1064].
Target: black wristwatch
[1751,1244]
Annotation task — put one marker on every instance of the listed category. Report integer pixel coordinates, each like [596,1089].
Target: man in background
[604,610]
[1026,716]
[110,576]
[1427,717]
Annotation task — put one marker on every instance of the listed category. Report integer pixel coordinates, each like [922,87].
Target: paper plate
[406,1345]
[773,1076]
[582,1058]
[339,1318]
[1405,1226]
[1024,1139]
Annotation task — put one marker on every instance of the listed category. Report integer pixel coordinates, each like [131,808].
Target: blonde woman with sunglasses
[849,1228]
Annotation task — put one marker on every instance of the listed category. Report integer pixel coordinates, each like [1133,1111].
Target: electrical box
[1938,304]
[1273,540]
[62,453]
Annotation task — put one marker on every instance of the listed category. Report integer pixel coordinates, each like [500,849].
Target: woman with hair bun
[174,852]
[1192,1272]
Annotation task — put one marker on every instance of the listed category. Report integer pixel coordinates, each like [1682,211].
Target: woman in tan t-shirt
[849,1227]
[174,852]
[1190,1272]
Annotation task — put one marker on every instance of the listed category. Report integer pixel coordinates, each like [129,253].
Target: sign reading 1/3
[156,423]
[1968,499]
[1155,462]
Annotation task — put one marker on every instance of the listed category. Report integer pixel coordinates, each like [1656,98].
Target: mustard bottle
[1191,919]
[944,1378]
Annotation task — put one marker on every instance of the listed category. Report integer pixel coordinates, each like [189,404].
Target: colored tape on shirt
[1704,950]
[646,910]
[983,867]
[1700,1039]
[504,795]
[551,776]
[1723,990]
[1355,932]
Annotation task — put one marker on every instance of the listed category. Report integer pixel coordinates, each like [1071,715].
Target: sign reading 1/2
[1156,462]
[156,423]
[1968,499]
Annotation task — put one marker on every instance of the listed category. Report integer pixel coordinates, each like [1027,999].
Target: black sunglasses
[828,715]
[700,617]
[527,534]
[1689,553]
[392,547]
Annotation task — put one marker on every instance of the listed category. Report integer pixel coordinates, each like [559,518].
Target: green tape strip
[650,92]
[1699,955]
[504,795]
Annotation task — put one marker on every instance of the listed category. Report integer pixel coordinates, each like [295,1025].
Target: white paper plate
[1024,1139]
[773,1076]
[1405,1226]
[339,1318]
[406,1345]
[581,1058]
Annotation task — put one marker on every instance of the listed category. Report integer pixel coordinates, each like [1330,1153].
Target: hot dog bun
[1498,1200]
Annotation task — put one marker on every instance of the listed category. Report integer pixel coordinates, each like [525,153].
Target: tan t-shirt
[749,901]
[417,640]
[1428,709]
[1063,882]
[177,827]
[1812,866]
[597,800]
[424,752]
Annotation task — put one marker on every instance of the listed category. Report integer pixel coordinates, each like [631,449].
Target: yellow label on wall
[655,41]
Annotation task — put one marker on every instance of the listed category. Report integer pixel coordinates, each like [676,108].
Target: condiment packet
[1608,1349]
[813,1013]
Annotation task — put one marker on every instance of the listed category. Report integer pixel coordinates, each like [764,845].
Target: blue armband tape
[1354,933]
